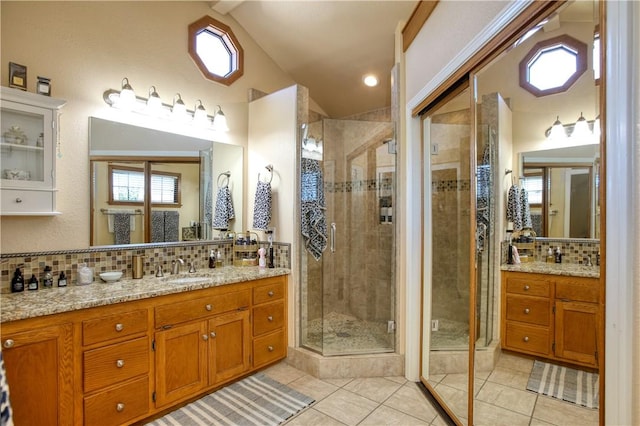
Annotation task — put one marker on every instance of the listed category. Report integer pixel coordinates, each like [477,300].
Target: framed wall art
[17,76]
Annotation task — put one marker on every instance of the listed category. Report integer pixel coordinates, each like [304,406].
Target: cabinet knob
[270,348]
[213,334]
[270,318]
[205,337]
[208,307]
[120,363]
[526,288]
[526,310]
[119,327]
[18,200]
[8,343]
[270,293]
[526,338]
[119,407]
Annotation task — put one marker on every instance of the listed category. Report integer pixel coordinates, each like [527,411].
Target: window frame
[228,38]
[112,201]
[563,40]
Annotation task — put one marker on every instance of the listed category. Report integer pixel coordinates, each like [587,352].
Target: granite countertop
[568,269]
[28,304]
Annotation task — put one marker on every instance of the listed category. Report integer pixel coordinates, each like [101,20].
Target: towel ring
[270,169]
[223,175]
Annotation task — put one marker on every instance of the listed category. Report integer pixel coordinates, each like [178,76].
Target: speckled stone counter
[567,269]
[28,304]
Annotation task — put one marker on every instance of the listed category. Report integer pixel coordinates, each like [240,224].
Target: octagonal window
[553,65]
[215,50]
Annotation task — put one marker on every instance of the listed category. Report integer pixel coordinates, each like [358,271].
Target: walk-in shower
[348,180]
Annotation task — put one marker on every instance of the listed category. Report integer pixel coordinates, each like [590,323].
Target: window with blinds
[127,186]
[533,185]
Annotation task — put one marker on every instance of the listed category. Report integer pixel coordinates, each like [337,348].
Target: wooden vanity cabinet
[552,316]
[39,370]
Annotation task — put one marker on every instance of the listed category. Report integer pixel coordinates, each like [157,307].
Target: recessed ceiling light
[370,80]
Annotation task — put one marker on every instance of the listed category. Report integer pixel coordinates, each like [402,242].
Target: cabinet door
[39,366]
[577,332]
[229,346]
[181,367]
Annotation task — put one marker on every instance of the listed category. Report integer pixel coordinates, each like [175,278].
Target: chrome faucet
[175,266]
[192,267]
[588,263]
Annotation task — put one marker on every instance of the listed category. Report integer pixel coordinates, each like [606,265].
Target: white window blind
[128,185]
[533,186]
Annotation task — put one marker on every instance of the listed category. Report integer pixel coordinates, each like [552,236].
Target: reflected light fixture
[581,129]
[557,131]
[126,100]
[370,80]
[596,129]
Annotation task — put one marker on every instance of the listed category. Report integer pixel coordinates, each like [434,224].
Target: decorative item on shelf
[17,76]
[44,86]
[245,249]
[126,100]
[15,135]
[525,241]
[40,140]
[15,174]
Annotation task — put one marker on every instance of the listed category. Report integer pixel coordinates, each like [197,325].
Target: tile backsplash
[120,259]
[574,251]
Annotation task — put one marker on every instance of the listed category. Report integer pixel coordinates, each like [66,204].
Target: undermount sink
[186,280]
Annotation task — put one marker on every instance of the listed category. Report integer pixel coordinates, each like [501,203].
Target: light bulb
[557,131]
[581,129]
[220,121]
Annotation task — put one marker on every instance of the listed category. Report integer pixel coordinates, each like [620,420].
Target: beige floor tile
[397,379]
[515,362]
[346,407]
[489,415]
[436,378]
[506,397]
[387,416]
[338,382]
[455,399]
[315,388]
[409,399]
[508,377]
[312,417]
[439,421]
[283,373]
[537,422]
[562,413]
[376,389]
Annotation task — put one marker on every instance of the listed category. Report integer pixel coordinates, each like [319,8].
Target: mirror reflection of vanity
[181,175]
[562,185]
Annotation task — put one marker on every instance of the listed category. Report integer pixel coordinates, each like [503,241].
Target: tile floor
[502,399]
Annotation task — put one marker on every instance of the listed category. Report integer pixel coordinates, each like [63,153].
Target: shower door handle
[333,237]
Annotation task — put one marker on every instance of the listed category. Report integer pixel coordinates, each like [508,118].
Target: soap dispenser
[558,255]
[17,282]
[212,259]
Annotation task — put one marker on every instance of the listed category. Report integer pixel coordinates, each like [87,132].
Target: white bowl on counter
[110,277]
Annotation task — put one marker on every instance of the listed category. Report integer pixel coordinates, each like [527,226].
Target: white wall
[86,48]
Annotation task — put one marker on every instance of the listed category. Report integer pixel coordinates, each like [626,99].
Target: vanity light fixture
[557,131]
[582,129]
[126,100]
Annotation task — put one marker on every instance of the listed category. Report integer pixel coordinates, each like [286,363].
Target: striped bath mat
[568,384]
[255,400]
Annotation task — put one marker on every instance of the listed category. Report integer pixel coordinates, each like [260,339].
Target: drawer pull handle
[526,338]
[8,343]
[18,200]
[270,293]
[270,348]
[208,307]
[526,288]
[270,318]
[213,334]
[205,337]
[526,310]
[119,327]
[119,407]
[120,363]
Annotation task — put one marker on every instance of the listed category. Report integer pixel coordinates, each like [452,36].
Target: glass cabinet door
[26,146]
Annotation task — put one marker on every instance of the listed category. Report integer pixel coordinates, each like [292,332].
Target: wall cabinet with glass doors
[29,136]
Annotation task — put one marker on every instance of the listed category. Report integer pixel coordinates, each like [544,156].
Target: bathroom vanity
[552,311]
[117,353]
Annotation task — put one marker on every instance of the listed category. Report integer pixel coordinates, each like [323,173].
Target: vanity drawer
[528,286]
[268,318]
[112,364]
[528,338]
[188,310]
[269,348]
[532,310]
[118,405]
[114,326]
[273,289]
[578,289]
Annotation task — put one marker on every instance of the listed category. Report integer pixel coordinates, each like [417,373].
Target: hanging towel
[6,415]
[224,211]
[262,206]
[313,221]
[208,205]
[132,218]
[526,211]
[157,226]
[171,225]
[514,207]
[122,228]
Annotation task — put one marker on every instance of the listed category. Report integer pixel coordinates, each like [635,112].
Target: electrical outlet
[391,326]
[434,325]
[434,149]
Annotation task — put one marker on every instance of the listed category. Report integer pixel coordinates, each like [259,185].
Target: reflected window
[215,50]
[127,187]
[553,65]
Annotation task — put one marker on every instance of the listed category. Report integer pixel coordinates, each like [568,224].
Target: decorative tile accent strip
[574,250]
[450,185]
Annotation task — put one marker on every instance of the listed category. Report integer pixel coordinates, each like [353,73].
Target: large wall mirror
[150,186]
